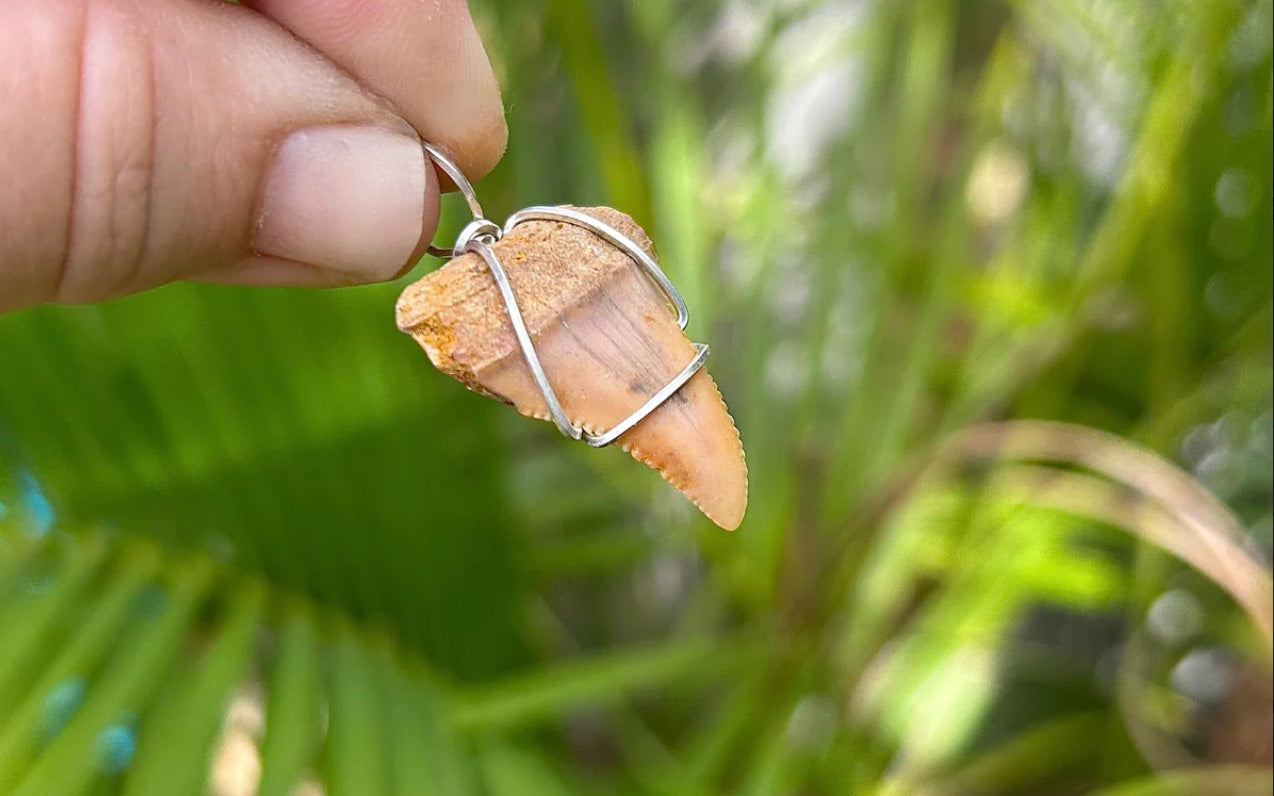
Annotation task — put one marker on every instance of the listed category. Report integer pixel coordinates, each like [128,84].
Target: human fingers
[424,57]
[146,142]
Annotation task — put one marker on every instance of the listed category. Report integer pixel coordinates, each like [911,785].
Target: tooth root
[607,340]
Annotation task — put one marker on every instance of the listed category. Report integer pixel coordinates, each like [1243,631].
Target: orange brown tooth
[607,339]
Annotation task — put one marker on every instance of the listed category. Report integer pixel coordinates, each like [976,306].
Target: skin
[148,141]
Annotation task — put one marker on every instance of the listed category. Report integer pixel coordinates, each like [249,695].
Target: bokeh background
[988,287]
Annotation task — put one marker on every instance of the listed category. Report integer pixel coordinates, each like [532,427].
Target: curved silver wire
[556,411]
[449,167]
[477,237]
[479,229]
[602,440]
[453,171]
[629,246]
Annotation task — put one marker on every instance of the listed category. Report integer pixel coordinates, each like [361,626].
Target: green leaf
[293,711]
[175,739]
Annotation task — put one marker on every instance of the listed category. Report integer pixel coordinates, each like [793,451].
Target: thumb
[147,142]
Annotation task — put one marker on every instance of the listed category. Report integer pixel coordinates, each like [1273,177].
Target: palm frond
[249,539]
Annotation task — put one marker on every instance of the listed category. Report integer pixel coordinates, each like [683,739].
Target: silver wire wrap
[479,235]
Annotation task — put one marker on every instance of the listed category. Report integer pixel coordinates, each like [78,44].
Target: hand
[143,142]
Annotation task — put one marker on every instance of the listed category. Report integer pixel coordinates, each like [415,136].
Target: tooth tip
[728,506]
[727,511]
[699,451]
[725,507]
[728,523]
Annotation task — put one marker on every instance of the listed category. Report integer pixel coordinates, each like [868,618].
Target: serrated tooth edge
[648,459]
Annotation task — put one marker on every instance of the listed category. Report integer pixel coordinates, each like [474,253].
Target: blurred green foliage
[253,533]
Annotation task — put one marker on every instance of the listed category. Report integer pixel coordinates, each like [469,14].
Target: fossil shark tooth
[607,340]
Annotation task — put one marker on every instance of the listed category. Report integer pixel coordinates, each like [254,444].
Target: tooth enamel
[606,338]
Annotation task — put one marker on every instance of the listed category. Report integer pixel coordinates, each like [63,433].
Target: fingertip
[427,60]
[471,125]
[484,148]
[360,201]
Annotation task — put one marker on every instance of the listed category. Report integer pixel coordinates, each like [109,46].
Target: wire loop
[449,167]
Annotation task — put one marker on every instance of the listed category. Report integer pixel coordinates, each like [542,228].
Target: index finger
[424,57]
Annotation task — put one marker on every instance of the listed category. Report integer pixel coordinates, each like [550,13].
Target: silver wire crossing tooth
[478,236]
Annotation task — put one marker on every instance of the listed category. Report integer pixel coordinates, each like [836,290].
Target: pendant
[564,314]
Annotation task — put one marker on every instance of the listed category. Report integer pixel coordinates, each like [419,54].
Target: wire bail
[478,237]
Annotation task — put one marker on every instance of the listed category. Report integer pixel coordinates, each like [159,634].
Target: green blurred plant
[251,536]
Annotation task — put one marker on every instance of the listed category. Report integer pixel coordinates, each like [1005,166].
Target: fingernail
[347,198]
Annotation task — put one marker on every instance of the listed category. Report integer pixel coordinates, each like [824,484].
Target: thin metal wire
[556,411]
[449,167]
[480,229]
[630,247]
[477,237]
[656,400]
